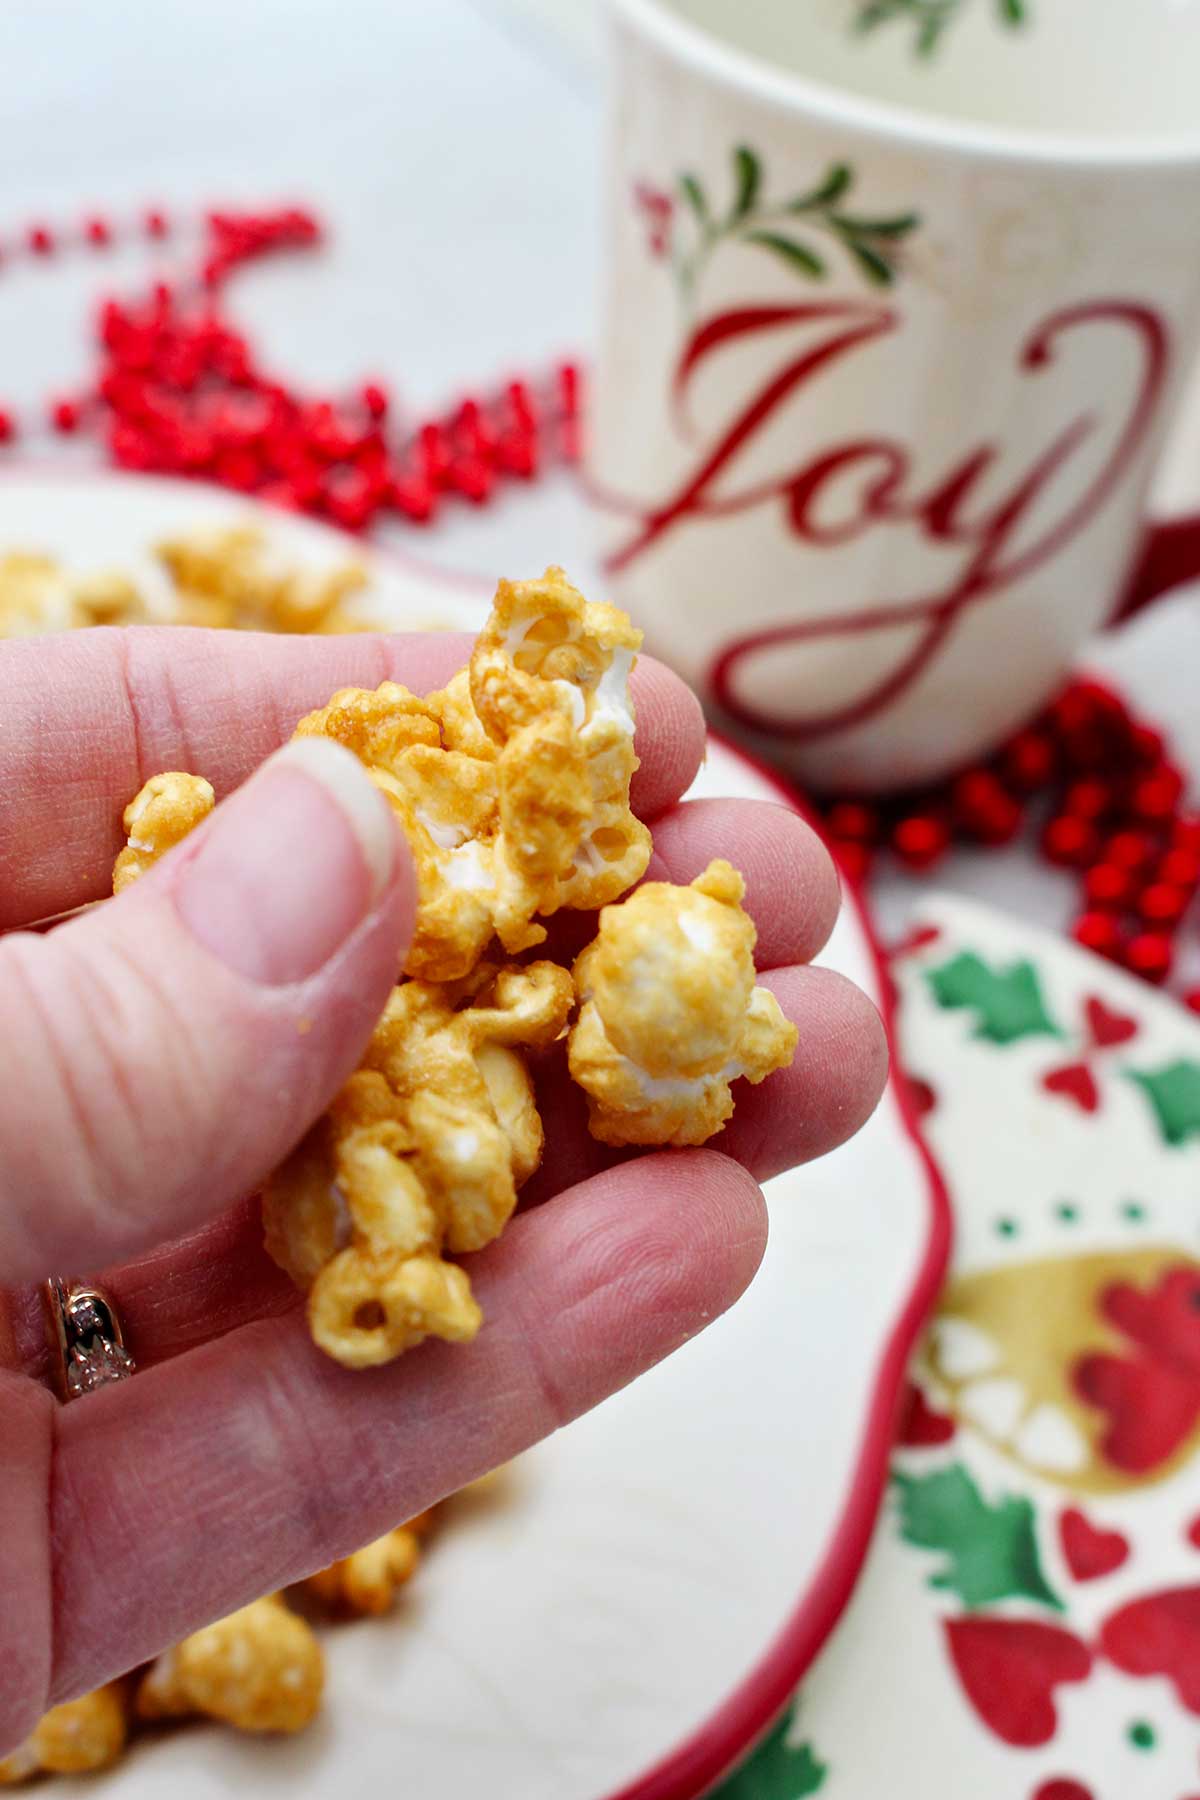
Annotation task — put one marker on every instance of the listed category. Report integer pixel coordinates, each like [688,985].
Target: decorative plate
[1028,1625]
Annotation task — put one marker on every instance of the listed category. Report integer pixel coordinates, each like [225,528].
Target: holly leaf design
[775,1771]
[799,256]
[990,1550]
[693,193]
[837,181]
[1007,1001]
[1174,1093]
[896,227]
[876,268]
[747,177]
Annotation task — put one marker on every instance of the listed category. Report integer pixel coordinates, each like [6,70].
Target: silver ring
[86,1339]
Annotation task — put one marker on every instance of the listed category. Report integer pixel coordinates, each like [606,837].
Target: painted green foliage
[990,1550]
[797,231]
[775,1770]
[1007,1002]
[1174,1093]
[929,18]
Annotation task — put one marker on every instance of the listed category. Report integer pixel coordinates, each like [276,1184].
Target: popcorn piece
[670,1013]
[512,784]
[88,1733]
[38,595]
[422,1151]
[445,803]
[233,576]
[368,1580]
[261,1669]
[158,817]
[545,650]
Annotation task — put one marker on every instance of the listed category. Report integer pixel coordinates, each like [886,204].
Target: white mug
[900,294]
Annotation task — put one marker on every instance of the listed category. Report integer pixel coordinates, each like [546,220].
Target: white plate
[655,1579]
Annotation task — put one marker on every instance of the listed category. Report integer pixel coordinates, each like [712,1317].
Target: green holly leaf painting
[747,171]
[1174,1093]
[774,1771]
[693,193]
[990,1550]
[837,180]
[798,255]
[1007,1002]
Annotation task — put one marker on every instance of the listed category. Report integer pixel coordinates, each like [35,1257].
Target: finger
[222,1278]
[291,1460]
[832,1086]
[830,1089]
[175,1297]
[162,1053]
[129,704]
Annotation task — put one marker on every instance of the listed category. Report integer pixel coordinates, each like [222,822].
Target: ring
[85,1338]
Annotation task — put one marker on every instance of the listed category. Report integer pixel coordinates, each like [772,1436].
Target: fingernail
[290,864]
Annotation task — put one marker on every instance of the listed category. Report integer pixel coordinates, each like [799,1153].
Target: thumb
[165,1051]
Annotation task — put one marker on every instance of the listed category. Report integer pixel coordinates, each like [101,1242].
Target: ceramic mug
[895,325]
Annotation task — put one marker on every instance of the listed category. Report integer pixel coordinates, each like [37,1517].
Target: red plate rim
[696,1763]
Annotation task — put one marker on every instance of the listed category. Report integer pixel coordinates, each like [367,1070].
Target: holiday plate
[93,521]
[1028,1622]
[633,1605]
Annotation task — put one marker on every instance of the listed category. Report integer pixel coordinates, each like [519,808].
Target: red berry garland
[1111,806]
[181,391]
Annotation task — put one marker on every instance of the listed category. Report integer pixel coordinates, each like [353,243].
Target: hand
[162,1052]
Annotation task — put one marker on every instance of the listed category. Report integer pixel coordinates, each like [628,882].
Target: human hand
[161,1054]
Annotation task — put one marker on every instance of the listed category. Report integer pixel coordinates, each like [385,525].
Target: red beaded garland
[1111,808]
[920,840]
[1070,841]
[179,391]
[1107,886]
[1149,955]
[1130,850]
[1098,931]
[853,820]
[1162,904]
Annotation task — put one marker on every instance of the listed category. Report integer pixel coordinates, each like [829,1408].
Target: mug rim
[711,56]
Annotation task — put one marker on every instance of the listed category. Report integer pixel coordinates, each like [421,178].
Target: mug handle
[1169,555]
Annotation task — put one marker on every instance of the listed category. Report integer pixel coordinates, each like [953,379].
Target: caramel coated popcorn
[670,1015]
[159,816]
[232,577]
[511,786]
[368,1580]
[422,1151]
[229,577]
[38,595]
[84,1734]
[260,1669]
[550,683]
